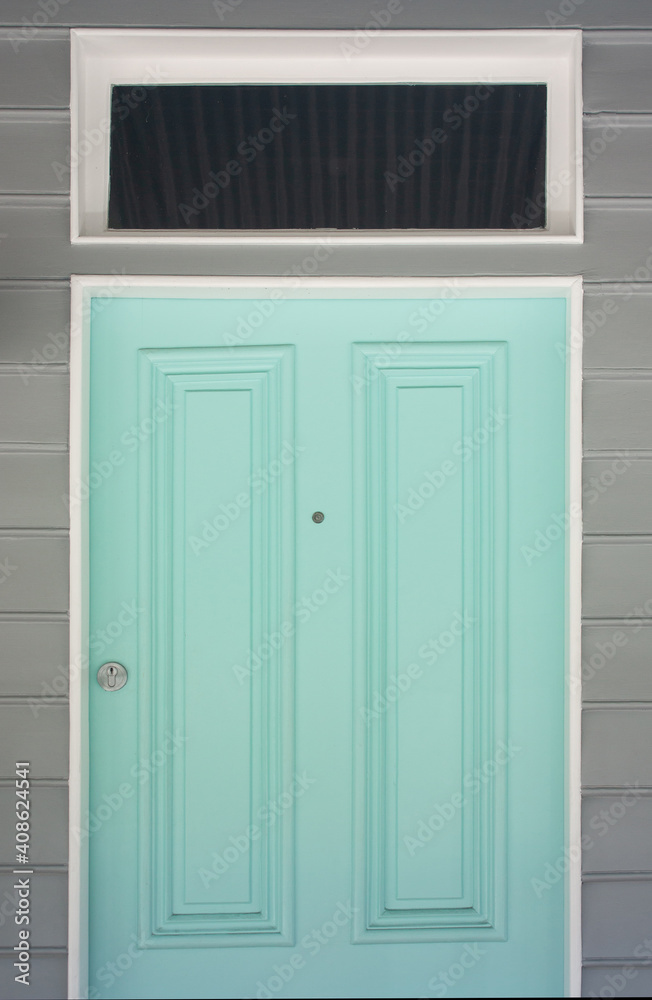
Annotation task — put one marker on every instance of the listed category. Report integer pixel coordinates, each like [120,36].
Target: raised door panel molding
[430,653]
[218,573]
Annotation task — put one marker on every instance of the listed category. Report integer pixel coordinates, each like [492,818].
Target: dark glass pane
[340,156]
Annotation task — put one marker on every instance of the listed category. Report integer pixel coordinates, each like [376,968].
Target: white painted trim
[78,687]
[101,57]
[574,646]
[217,286]
[83,287]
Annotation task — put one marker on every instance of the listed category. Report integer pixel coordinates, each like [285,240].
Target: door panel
[432,445]
[217,579]
[338,763]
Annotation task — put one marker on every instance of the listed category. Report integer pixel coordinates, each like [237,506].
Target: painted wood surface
[266,646]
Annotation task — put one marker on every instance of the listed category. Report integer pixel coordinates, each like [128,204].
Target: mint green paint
[262,786]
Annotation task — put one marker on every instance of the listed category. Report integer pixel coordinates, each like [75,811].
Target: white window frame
[103,57]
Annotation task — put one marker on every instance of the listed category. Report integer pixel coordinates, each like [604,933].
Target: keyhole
[112,676]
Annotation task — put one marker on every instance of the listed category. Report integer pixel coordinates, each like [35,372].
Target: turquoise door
[337,766]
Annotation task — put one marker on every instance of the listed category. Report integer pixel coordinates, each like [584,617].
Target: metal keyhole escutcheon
[112,676]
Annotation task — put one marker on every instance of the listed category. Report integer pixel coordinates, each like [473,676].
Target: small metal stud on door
[112,676]
[318,517]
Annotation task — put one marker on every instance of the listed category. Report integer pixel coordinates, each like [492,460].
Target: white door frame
[85,287]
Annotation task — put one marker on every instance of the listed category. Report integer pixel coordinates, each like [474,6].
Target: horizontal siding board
[617,413]
[34,73]
[617,747]
[616,830]
[33,153]
[35,324]
[617,494]
[618,326]
[36,240]
[48,977]
[616,918]
[343,13]
[34,574]
[33,407]
[37,245]
[617,67]
[618,155]
[48,906]
[617,579]
[37,652]
[617,980]
[49,825]
[617,662]
[34,488]
[39,737]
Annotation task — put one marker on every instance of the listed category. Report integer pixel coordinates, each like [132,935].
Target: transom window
[329,156]
[270,136]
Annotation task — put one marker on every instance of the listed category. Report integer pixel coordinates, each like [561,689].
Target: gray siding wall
[36,261]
